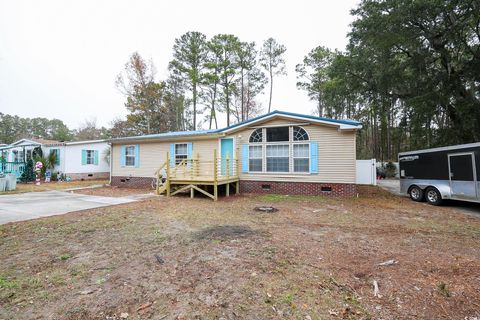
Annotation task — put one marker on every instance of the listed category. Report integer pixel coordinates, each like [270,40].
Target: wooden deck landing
[184,176]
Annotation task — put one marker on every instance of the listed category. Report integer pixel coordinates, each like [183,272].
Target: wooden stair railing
[161,185]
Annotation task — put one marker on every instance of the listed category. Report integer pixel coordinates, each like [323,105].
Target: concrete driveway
[32,205]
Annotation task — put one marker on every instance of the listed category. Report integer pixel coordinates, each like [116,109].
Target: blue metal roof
[170,134]
[173,134]
[291,114]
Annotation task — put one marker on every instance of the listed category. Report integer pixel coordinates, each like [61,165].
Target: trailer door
[463,182]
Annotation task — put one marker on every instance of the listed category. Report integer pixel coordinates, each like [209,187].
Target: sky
[59,59]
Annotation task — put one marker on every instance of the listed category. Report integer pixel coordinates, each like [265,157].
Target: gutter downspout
[111,163]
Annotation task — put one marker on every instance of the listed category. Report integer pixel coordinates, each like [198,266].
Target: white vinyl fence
[367,172]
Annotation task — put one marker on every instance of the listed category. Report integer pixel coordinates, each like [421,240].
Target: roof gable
[341,124]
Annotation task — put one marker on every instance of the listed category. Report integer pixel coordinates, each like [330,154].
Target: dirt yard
[182,258]
[55,185]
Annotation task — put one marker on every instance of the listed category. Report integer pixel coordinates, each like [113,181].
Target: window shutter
[95,157]
[172,154]
[57,157]
[122,156]
[189,154]
[84,157]
[244,158]
[137,156]
[313,157]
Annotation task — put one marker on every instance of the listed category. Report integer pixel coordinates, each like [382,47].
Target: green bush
[390,170]
[28,174]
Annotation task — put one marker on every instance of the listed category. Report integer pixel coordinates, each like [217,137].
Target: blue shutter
[84,157]
[244,158]
[313,157]
[172,154]
[57,157]
[122,156]
[189,153]
[137,156]
[95,157]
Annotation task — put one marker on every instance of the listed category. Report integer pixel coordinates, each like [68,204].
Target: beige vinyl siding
[153,154]
[336,154]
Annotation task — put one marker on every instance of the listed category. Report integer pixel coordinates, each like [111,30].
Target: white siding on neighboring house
[73,158]
[60,166]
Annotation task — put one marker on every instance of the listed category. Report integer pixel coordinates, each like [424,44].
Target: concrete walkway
[32,205]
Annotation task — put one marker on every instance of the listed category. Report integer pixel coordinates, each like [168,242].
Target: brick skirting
[299,188]
[132,182]
[88,176]
[263,187]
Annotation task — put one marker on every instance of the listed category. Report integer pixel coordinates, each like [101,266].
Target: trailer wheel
[433,196]
[416,193]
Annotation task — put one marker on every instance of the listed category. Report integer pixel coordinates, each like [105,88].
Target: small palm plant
[48,162]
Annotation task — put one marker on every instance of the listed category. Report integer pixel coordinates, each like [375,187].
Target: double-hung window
[301,158]
[181,152]
[255,158]
[91,157]
[278,158]
[129,156]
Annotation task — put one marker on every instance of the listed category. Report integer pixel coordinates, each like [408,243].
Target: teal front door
[226,152]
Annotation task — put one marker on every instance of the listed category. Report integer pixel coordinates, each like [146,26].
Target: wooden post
[192,193]
[227,166]
[227,191]
[215,186]
[237,189]
[167,183]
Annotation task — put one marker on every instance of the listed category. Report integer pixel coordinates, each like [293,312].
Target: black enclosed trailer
[441,173]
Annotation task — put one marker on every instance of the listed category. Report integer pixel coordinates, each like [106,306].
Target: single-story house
[279,152]
[77,159]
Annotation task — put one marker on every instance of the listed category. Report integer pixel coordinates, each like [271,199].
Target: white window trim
[134,158]
[93,157]
[290,143]
[256,144]
[181,154]
[289,156]
[308,157]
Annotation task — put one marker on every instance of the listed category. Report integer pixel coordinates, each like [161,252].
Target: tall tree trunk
[194,107]
[242,109]
[271,90]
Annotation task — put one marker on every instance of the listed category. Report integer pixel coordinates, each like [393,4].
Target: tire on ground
[416,193]
[433,196]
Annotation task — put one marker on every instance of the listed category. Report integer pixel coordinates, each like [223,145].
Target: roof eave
[341,126]
[167,138]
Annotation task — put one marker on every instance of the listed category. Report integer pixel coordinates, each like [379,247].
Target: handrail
[225,167]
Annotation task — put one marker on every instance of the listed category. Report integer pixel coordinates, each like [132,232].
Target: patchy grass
[181,258]
[56,185]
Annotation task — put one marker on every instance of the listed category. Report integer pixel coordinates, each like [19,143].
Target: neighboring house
[279,152]
[77,160]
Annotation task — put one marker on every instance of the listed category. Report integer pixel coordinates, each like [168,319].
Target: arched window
[256,136]
[299,134]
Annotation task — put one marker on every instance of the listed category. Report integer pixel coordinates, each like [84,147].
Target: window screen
[255,158]
[181,152]
[129,156]
[91,157]
[277,158]
[301,158]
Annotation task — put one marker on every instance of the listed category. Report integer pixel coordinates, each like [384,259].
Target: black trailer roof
[455,147]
